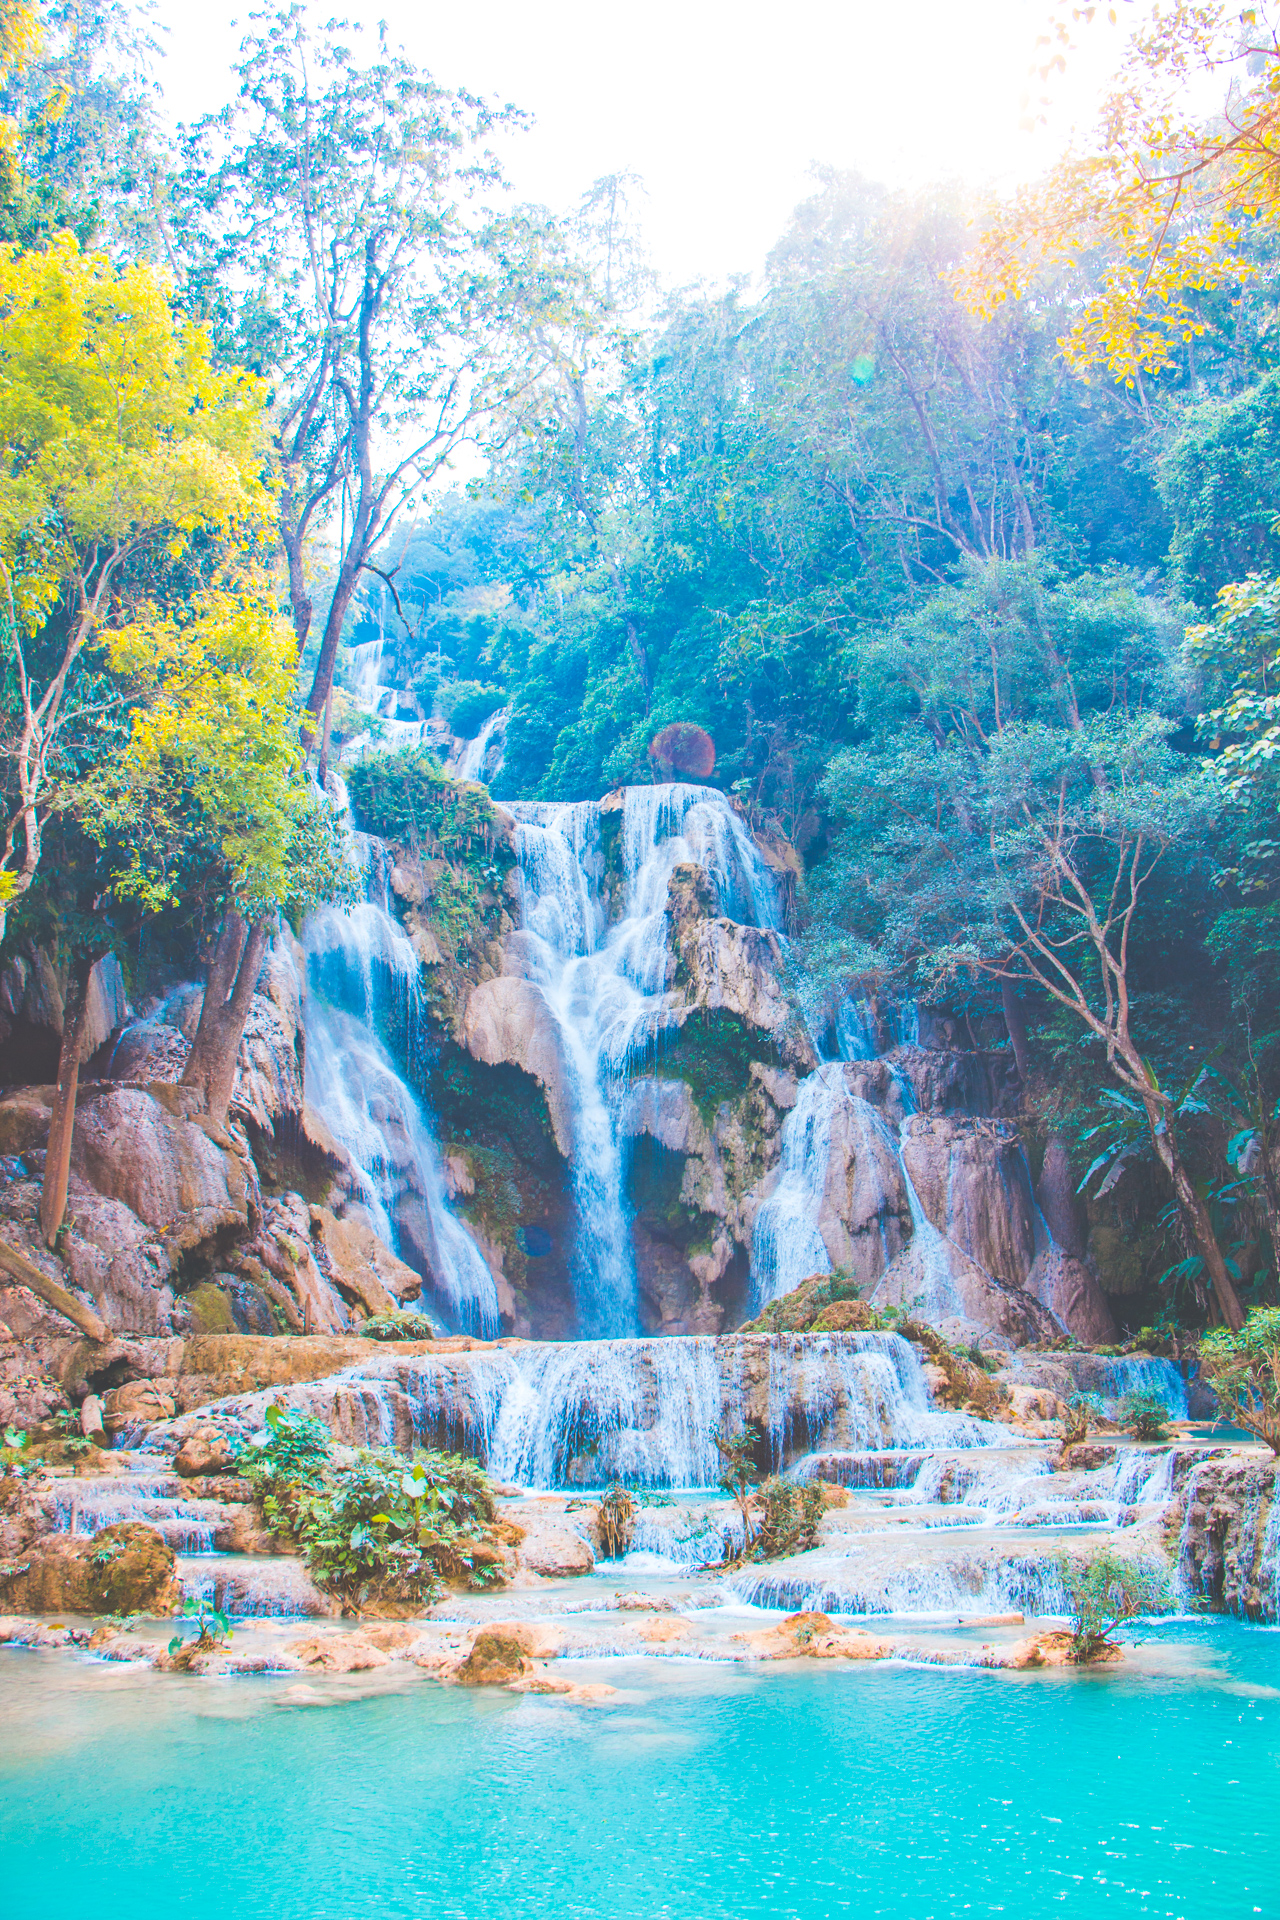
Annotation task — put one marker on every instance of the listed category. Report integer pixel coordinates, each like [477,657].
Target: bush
[1244,1371]
[398,1325]
[1084,1410]
[466,705]
[1144,1415]
[380,1528]
[1105,1591]
[616,1522]
[790,1519]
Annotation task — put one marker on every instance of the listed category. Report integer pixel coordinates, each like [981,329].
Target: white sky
[721,106]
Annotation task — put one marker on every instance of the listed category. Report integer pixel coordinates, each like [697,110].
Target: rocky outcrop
[122,1569]
[1224,1532]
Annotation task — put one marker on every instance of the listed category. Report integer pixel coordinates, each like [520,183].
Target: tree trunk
[1196,1216]
[57,1160]
[25,1271]
[232,976]
[1016,1022]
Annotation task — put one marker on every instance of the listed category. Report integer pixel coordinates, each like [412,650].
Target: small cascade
[585,1413]
[604,983]
[786,1243]
[363,974]
[84,1507]
[474,754]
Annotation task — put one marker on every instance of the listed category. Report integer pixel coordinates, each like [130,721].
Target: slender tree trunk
[57,1160]
[1015,1020]
[228,994]
[28,1274]
[1196,1216]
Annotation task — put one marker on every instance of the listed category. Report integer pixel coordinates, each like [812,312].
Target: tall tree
[333,223]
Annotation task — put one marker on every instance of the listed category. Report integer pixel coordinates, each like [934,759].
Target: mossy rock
[210,1309]
[824,1303]
[127,1568]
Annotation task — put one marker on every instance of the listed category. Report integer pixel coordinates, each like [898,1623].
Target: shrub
[1105,1591]
[740,1475]
[790,1518]
[616,1522]
[467,704]
[378,1528]
[1244,1371]
[398,1325]
[1084,1410]
[1144,1415]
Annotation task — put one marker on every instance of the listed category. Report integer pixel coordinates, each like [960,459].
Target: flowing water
[363,977]
[600,964]
[697,1793]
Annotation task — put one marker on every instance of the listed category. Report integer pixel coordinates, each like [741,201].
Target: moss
[713,1054]
[209,1308]
[496,1205]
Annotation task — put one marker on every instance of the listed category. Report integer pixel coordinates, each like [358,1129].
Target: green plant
[296,1450]
[1084,1410]
[213,1628]
[741,1475]
[1144,1414]
[1104,1592]
[1244,1371]
[789,1520]
[398,1325]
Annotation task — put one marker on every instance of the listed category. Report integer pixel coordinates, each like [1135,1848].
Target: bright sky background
[721,106]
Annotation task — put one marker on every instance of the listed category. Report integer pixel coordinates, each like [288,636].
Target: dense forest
[979,614]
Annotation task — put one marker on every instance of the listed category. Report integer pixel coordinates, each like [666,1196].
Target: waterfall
[605,984]
[362,971]
[469,764]
[786,1244]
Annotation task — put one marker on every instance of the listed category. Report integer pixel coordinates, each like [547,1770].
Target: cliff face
[1224,1532]
[741,1163]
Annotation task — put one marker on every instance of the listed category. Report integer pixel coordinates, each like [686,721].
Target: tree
[120,442]
[1105,1591]
[1019,828]
[1165,194]
[213,766]
[1243,1368]
[330,226]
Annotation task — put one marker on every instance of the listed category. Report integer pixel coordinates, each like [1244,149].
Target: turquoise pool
[700,1793]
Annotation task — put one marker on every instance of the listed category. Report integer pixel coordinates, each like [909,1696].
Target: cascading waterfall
[787,1244]
[360,965]
[605,984]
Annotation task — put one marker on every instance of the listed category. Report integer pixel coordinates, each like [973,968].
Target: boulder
[127,1568]
[498,1655]
[206,1449]
[508,1020]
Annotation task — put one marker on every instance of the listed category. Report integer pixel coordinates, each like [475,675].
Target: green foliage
[1106,1591]
[401,1325]
[1144,1415]
[406,797]
[294,1453]
[1244,1371]
[212,1628]
[377,1527]
[466,705]
[789,1518]
[1084,1410]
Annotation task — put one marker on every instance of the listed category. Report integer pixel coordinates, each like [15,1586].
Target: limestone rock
[205,1450]
[127,1568]
[498,1655]
[554,1551]
[507,1020]
[360,1265]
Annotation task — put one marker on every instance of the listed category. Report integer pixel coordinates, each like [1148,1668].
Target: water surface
[702,1792]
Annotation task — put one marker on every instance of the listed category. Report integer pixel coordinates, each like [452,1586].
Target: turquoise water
[701,1792]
